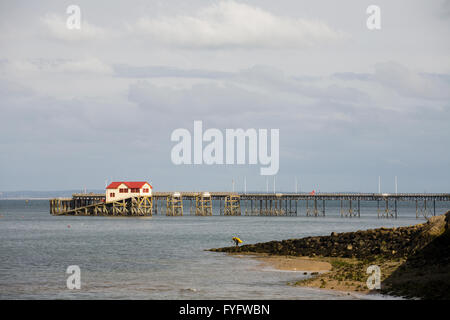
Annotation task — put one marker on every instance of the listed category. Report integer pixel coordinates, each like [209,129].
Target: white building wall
[129,194]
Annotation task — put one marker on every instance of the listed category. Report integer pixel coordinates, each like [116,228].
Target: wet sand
[289,263]
[319,268]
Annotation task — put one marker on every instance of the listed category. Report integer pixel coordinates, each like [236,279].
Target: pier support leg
[307,208]
[386,210]
[425,207]
[417,210]
[395,208]
[359,208]
[350,209]
[323,208]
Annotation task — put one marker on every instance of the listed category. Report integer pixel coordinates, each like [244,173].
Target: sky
[80,108]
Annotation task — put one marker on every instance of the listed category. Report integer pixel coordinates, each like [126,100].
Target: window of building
[112,194]
[145,190]
[123,190]
[135,190]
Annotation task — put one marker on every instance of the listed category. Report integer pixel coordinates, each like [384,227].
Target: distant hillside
[26,194]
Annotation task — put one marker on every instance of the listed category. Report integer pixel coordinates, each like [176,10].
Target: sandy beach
[289,263]
[311,266]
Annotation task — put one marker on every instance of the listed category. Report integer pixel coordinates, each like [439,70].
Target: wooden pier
[95,205]
[249,204]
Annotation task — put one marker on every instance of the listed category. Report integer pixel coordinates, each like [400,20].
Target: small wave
[303,272]
[271,269]
[188,289]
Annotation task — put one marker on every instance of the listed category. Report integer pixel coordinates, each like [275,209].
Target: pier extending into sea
[236,204]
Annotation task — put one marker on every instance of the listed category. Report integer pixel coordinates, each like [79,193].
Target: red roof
[129,184]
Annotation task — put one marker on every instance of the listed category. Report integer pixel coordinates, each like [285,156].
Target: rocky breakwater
[396,242]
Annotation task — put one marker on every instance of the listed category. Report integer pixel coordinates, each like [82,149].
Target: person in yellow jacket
[236,241]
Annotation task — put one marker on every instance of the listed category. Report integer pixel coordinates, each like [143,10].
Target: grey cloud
[404,81]
[258,76]
[201,100]
[127,71]
[10,90]
[304,86]
[353,76]
[409,83]
[326,108]
[444,9]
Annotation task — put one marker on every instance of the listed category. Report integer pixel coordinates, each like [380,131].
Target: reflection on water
[159,257]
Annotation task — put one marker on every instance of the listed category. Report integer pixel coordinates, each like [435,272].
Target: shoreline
[414,261]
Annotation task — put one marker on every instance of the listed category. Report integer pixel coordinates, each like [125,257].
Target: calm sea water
[159,257]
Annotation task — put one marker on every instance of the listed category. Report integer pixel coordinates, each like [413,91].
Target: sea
[163,257]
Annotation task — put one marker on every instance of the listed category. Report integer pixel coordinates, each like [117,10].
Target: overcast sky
[79,107]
